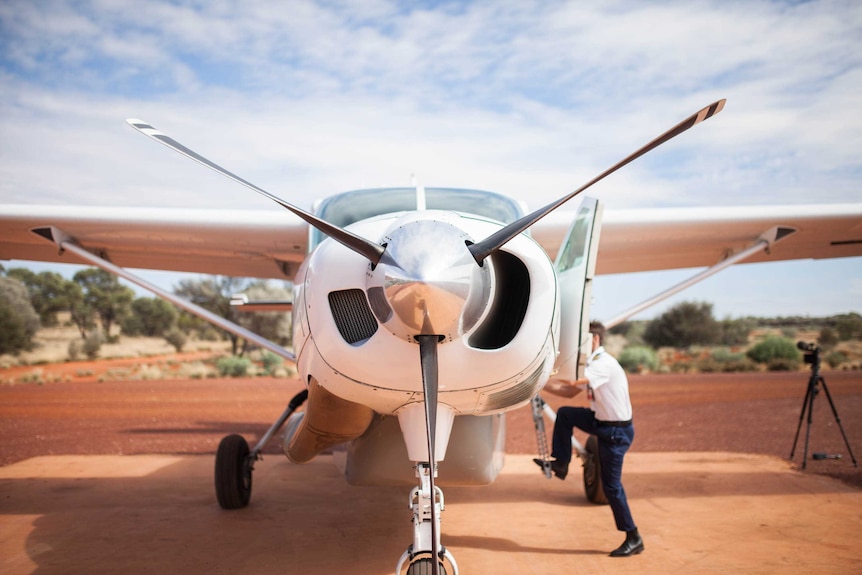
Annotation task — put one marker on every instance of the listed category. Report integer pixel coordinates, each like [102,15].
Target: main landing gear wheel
[593,472]
[424,566]
[233,469]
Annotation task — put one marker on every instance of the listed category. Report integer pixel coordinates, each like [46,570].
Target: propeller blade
[495,241]
[371,251]
[428,360]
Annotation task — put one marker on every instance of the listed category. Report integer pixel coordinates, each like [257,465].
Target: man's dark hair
[598,328]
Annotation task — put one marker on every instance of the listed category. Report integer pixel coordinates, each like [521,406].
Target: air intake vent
[352,315]
[509,306]
[521,392]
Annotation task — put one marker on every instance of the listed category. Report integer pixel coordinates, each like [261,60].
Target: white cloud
[528,98]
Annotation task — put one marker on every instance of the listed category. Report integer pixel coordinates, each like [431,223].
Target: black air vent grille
[352,315]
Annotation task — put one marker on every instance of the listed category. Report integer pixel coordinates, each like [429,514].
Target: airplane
[421,315]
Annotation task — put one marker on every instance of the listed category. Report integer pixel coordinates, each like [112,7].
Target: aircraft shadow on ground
[302,519]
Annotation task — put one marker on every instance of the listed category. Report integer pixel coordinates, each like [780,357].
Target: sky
[528,98]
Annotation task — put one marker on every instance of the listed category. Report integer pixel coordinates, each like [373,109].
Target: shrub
[835,358]
[776,352]
[92,344]
[196,370]
[827,337]
[723,360]
[782,364]
[636,359]
[176,338]
[271,362]
[74,349]
[233,366]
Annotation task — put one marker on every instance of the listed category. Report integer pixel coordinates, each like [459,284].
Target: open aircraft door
[576,267]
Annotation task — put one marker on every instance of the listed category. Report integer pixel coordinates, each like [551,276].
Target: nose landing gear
[420,554]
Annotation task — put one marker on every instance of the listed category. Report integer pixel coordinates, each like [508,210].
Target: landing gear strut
[588,455]
[234,462]
[420,554]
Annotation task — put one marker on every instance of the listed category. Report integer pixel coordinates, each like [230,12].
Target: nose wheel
[424,567]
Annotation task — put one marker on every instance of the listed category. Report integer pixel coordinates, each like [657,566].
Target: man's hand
[565,388]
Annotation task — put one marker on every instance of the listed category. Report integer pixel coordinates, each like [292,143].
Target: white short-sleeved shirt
[608,388]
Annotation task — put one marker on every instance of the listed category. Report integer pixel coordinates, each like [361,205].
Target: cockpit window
[574,252]
[350,207]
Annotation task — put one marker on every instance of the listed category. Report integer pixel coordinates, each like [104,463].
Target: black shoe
[631,546]
[560,468]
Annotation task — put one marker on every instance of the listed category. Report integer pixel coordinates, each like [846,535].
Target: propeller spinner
[427,282]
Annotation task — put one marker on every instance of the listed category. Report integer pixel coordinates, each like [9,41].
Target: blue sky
[307,99]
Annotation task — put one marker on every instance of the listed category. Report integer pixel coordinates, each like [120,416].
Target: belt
[613,423]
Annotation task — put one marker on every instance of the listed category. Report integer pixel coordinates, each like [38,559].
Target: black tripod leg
[812,393]
[838,421]
[808,392]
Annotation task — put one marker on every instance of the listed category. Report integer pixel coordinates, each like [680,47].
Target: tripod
[813,357]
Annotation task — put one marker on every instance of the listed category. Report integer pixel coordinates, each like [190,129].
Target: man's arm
[565,388]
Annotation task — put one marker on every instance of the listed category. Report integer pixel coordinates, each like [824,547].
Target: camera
[813,352]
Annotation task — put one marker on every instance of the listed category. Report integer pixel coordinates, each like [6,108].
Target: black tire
[593,473]
[424,566]
[233,473]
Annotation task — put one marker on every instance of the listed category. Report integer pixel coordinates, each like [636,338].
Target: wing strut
[66,242]
[764,242]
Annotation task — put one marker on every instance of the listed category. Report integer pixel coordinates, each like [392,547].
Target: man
[609,418]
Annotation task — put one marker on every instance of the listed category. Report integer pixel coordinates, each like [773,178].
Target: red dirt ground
[76,413]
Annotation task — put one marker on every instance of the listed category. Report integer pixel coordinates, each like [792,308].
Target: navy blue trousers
[613,443]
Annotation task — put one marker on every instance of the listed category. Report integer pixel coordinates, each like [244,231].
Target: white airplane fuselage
[499,333]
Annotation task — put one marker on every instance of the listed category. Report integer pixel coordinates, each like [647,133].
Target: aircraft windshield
[349,207]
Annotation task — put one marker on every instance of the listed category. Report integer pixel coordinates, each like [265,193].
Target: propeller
[495,241]
[370,250]
[428,361]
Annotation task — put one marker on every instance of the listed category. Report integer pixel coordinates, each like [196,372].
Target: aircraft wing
[241,243]
[669,238]
[271,244]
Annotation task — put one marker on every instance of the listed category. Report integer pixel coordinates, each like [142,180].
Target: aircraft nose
[431,281]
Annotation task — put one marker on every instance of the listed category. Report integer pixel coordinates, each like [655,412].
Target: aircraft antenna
[420,193]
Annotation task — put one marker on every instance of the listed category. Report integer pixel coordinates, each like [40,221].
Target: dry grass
[52,346]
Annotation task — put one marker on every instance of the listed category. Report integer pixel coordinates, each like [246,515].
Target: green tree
[684,325]
[79,310]
[213,294]
[47,292]
[107,297]
[633,331]
[735,331]
[273,325]
[149,316]
[19,322]
[848,326]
